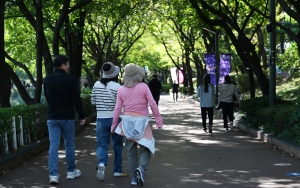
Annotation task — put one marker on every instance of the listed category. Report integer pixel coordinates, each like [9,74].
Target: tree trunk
[4,74]
[189,71]
[74,39]
[243,45]
[249,57]
[200,69]
[39,52]
[251,83]
[21,89]
[261,45]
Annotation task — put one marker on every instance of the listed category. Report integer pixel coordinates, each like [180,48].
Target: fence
[18,136]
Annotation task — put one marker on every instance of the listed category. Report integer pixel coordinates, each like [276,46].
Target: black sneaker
[205,130]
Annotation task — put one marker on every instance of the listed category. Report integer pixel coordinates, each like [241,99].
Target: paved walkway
[185,157]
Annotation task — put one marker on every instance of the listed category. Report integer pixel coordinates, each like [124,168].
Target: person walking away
[175,87]
[62,93]
[104,96]
[227,90]
[206,94]
[155,87]
[134,96]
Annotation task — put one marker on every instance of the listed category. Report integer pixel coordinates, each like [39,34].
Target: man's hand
[82,121]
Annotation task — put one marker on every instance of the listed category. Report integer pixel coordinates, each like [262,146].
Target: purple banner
[210,63]
[225,60]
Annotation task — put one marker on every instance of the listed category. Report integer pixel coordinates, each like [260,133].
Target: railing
[17,134]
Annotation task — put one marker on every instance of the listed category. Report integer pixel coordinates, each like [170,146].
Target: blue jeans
[55,129]
[103,138]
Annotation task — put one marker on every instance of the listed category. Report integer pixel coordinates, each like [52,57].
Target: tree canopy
[158,34]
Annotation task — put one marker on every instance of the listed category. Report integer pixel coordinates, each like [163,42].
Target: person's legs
[176,95]
[132,154]
[230,111]
[203,115]
[225,113]
[68,131]
[210,112]
[156,100]
[54,138]
[103,139]
[117,143]
[144,157]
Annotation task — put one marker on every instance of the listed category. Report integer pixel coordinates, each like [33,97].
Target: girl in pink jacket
[134,96]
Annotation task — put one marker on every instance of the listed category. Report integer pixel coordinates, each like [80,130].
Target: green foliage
[184,90]
[290,58]
[15,98]
[291,92]
[166,88]
[86,91]
[89,109]
[274,119]
[250,106]
[243,82]
[34,121]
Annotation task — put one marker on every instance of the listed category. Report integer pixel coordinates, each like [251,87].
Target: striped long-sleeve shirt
[104,100]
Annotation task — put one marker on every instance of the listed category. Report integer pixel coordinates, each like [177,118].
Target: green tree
[240,24]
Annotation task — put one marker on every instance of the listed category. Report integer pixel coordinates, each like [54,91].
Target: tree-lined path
[185,157]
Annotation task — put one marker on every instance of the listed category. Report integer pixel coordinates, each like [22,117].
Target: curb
[286,146]
[12,160]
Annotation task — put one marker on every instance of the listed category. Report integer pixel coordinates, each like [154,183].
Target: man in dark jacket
[62,93]
[175,87]
[155,87]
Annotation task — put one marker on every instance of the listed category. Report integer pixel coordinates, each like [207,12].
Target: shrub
[274,119]
[250,106]
[166,88]
[184,90]
[267,114]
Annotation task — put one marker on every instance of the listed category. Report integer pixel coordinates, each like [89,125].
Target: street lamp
[217,72]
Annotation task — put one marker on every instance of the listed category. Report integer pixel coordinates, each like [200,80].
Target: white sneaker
[101,171]
[75,174]
[53,180]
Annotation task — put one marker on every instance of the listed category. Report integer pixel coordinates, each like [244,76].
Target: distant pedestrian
[104,96]
[134,96]
[155,87]
[63,96]
[206,94]
[175,87]
[227,90]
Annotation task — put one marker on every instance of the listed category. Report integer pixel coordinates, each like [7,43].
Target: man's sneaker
[118,174]
[133,181]
[139,173]
[53,180]
[205,130]
[75,174]
[101,171]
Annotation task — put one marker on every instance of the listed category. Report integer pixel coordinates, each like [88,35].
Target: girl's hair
[206,82]
[104,81]
[227,79]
